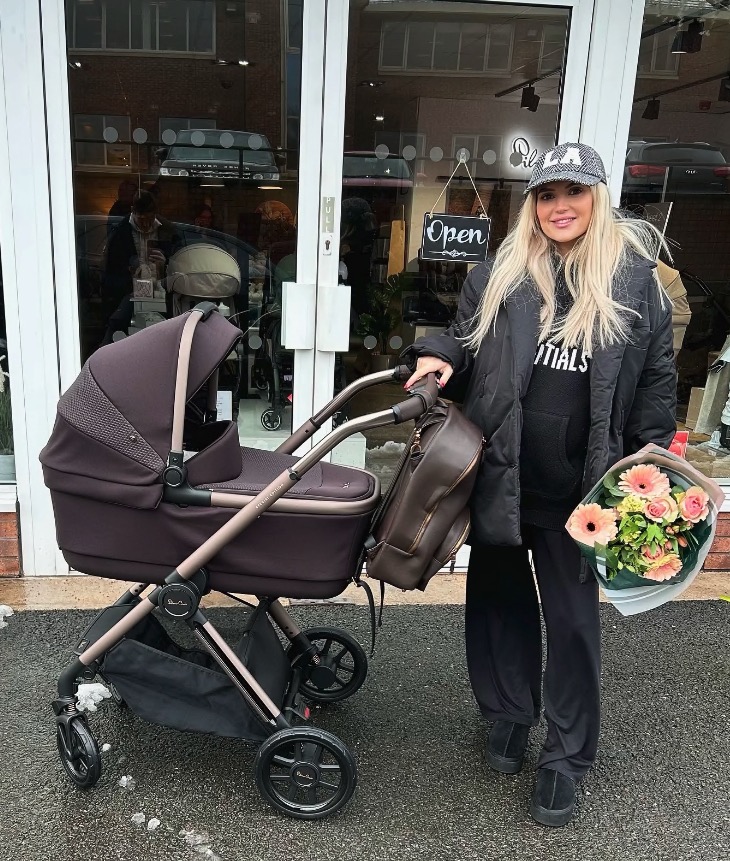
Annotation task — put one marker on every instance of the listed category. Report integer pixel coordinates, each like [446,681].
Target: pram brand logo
[269,495]
[305,775]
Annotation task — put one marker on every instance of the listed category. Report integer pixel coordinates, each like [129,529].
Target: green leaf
[654,533]
[611,485]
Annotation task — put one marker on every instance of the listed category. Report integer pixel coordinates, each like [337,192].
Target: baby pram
[142,494]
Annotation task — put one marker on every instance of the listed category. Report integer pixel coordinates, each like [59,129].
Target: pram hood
[203,270]
[113,429]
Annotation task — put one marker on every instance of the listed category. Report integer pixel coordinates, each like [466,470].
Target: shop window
[100,140]
[425,46]
[198,144]
[677,173]
[170,26]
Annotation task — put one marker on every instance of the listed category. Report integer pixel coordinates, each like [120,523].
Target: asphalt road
[659,789]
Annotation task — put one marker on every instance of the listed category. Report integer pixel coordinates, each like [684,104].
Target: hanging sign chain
[462,160]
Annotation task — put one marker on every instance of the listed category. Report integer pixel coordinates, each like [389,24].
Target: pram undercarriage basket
[178,508]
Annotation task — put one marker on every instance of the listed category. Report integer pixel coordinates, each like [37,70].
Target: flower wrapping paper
[628,598]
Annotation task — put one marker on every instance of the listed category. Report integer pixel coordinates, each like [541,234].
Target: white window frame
[152,10]
[486,71]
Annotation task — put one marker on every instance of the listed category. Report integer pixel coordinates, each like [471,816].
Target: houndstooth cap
[568,162]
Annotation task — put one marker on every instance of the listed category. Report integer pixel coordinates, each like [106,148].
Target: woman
[562,353]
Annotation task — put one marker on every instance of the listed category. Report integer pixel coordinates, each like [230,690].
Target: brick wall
[9,561]
[719,557]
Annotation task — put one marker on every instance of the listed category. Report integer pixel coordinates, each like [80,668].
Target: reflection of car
[686,168]
[225,154]
[368,169]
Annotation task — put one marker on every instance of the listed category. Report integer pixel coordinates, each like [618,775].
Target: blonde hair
[590,268]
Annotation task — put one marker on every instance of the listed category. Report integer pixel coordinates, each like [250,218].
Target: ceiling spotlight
[379,118]
[530,99]
[221,62]
[689,41]
[371,83]
[244,63]
[651,111]
[75,64]
[724,95]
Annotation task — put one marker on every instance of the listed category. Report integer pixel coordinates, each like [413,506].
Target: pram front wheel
[306,773]
[79,754]
[342,667]
[270,420]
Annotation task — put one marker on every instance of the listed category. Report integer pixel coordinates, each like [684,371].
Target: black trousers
[504,644]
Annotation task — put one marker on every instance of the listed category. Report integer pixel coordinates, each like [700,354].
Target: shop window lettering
[523,155]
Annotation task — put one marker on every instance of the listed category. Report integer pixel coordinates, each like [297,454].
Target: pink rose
[661,508]
[694,505]
[654,556]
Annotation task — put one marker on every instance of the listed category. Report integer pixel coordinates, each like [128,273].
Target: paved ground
[659,790]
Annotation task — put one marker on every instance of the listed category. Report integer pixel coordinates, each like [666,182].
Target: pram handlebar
[426,392]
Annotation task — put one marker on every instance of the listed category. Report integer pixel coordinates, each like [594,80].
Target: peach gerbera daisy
[670,566]
[644,480]
[591,524]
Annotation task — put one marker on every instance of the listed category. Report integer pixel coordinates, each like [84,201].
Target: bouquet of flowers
[647,527]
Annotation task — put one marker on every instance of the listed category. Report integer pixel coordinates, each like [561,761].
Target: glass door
[195,150]
[425,88]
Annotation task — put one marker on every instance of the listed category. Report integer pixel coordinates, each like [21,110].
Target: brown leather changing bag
[423,518]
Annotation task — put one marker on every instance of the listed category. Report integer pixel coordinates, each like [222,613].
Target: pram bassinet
[106,457]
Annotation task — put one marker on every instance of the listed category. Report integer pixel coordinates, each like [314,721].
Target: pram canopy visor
[205,271]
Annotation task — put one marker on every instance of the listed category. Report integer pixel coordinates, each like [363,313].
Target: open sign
[455,237]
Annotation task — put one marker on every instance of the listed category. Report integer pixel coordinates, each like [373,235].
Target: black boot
[553,800]
[506,746]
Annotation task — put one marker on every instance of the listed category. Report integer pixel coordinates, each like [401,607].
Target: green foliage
[381,317]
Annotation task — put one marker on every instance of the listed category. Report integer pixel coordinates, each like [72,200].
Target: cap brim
[563,176]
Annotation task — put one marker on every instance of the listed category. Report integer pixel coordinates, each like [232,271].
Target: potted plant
[7,457]
[381,318]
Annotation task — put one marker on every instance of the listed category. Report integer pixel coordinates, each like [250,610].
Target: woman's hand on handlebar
[430,365]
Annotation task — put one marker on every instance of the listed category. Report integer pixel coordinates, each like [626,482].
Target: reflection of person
[138,247]
[125,196]
[358,229]
[568,367]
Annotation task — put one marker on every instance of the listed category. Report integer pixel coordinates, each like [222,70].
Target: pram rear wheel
[80,758]
[270,420]
[342,668]
[306,773]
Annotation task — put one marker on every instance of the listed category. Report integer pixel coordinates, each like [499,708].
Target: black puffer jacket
[633,389]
